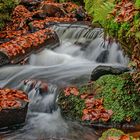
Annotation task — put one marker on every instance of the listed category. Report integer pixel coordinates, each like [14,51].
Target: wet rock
[104,70]
[14,105]
[3,59]
[50,11]
[102,58]
[10,117]
[80,14]
[30,2]
[28,85]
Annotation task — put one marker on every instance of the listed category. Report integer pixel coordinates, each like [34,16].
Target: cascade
[81,50]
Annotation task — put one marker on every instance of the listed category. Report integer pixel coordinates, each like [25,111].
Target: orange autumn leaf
[83,96]
[125,137]
[67,92]
[113,138]
[85,111]
[71,90]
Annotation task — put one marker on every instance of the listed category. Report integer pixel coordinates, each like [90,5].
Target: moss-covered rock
[118,94]
[72,106]
[114,134]
[111,133]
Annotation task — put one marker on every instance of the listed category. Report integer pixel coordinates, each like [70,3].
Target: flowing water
[81,50]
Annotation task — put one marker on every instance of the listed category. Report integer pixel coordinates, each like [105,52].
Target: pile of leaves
[21,46]
[124,11]
[114,134]
[95,110]
[8,34]
[10,98]
[20,16]
[18,25]
[26,29]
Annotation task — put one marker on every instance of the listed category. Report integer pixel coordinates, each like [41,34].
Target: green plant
[111,15]
[137,3]
[99,9]
[6,7]
[120,20]
[119,96]
[115,134]
[111,132]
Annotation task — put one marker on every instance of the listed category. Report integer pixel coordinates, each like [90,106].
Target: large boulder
[30,4]
[104,70]
[50,10]
[13,107]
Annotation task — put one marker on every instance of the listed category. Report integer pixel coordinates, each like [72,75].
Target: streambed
[81,50]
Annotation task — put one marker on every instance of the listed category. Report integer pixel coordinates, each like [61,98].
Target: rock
[30,2]
[51,11]
[3,59]
[102,58]
[80,14]
[14,106]
[104,70]
[11,117]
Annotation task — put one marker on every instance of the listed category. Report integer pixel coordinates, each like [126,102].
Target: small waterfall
[92,41]
[81,50]
[75,32]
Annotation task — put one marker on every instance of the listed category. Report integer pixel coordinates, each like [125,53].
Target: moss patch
[119,96]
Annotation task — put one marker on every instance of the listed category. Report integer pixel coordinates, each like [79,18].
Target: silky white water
[81,50]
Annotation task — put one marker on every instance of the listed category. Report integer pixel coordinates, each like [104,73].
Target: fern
[89,6]
[102,16]
[99,9]
[137,3]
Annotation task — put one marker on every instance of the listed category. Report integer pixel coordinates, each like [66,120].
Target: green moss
[114,133]
[111,132]
[6,7]
[71,106]
[119,96]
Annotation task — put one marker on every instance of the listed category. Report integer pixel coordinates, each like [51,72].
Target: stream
[81,50]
